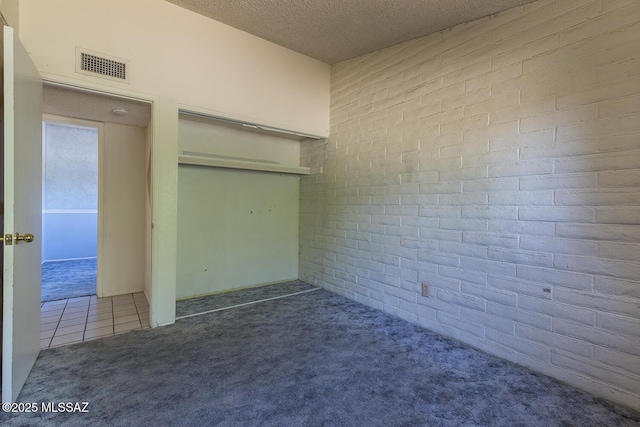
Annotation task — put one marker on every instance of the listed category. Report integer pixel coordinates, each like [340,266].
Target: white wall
[499,162]
[123,246]
[178,54]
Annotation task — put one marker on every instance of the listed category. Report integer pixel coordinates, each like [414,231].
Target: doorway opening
[69,209]
[123,250]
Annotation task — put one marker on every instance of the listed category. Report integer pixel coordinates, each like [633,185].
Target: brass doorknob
[27,238]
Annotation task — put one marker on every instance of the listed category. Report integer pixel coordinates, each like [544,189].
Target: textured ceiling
[335,30]
[77,104]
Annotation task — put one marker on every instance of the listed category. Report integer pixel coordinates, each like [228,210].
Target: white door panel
[22,215]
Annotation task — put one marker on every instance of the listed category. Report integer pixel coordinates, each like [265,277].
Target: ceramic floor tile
[47,334]
[117,307]
[117,303]
[126,319]
[98,332]
[72,308]
[78,304]
[88,318]
[125,327]
[102,302]
[75,308]
[99,324]
[98,317]
[52,311]
[100,306]
[69,330]
[67,339]
[49,319]
[74,315]
[72,322]
[130,309]
[108,310]
[48,326]
[54,304]
[79,299]
[125,312]
[73,312]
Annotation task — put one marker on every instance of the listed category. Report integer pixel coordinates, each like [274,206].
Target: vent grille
[99,65]
[104,66]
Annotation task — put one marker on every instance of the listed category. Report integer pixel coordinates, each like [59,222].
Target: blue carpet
[242,296]
[314,359]
[68,279]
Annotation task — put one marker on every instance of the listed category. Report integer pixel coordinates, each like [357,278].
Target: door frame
[153,101]
[70,121]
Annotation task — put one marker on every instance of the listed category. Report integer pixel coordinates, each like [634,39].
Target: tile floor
[80,319]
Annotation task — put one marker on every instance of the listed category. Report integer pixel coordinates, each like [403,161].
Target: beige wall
[10,11]
[499,162]
[183,56]
[123,210]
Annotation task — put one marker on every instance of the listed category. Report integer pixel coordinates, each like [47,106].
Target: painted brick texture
[499,162]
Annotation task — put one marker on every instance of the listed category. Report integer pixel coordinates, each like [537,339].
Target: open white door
[22,165]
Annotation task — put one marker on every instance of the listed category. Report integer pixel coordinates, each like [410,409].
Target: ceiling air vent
[100,65]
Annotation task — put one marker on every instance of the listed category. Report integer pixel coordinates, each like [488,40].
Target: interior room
[353,213]
[69,209]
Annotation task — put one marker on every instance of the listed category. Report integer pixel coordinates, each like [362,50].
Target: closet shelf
[241,164]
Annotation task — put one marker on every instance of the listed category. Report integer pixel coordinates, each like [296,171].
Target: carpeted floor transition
[68,279]
[311,359]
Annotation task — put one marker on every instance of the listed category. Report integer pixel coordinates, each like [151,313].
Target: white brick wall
[498,161]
